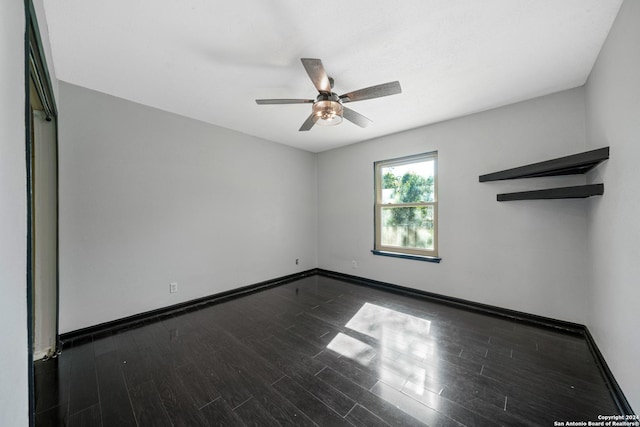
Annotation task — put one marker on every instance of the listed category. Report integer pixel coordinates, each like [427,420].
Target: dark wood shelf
[575,192]
[569,165]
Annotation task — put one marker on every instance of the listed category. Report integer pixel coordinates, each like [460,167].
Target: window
[406,208]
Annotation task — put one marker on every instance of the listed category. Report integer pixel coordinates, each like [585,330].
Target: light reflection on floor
[352,348]
[405,355]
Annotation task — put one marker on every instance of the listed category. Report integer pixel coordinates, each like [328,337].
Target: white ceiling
[209,60]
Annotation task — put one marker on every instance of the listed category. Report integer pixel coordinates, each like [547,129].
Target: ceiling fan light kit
[328,108]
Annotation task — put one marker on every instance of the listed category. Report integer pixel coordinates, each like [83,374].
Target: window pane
[408,227]
[408,183]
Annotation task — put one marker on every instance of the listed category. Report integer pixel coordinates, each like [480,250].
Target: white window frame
[411,251]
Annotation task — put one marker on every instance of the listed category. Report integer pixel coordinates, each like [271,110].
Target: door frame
[35,66]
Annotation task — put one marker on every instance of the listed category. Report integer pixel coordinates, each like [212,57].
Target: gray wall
[526,255]
[13,218]
[148,198]
[613,119]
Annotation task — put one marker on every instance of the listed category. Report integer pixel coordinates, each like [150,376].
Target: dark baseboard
[86,334]
[80,336]
[614,388]
[513,315]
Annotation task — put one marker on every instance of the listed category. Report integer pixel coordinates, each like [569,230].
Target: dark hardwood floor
[319,351]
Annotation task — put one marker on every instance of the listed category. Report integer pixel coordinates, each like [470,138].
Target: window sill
[408,256]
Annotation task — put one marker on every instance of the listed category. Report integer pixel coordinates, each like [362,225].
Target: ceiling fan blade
[308,124]
[317,74]
[284,101]
[355,118]
[376,91]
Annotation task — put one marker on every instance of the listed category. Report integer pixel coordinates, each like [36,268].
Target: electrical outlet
[173,287]
[297,261]
[354,264]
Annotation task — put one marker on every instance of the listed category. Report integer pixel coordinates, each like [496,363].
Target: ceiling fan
[328,108]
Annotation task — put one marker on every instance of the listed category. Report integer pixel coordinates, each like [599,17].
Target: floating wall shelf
[576,192]
[570,165]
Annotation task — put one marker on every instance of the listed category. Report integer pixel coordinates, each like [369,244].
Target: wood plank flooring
[322,352]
